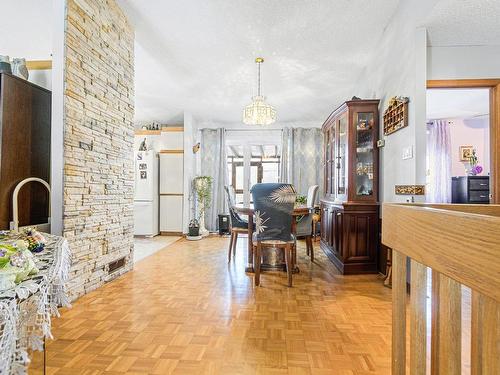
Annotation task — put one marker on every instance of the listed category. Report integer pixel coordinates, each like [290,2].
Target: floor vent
[117,264]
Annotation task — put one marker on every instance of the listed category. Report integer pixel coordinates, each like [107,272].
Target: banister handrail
[15,208]
[461,242]
[461,246]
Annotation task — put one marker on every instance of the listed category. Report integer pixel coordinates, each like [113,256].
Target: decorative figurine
[143,146]
[19,68]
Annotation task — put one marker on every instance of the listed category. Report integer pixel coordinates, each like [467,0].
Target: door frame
[494,86]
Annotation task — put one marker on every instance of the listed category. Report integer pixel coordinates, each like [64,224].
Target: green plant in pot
[203,189]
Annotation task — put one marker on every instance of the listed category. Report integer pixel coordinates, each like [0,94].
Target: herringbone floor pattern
[185,311]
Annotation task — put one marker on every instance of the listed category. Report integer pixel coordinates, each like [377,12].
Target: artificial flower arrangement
[475,169]
[17,262]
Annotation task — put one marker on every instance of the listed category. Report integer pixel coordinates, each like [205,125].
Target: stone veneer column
[98,141]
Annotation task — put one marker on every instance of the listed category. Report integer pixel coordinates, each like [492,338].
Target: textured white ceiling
[464,23]
[198,56]
[457,103]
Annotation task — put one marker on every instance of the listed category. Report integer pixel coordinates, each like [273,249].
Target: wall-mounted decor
[396,114]
[409,189]
[466,152]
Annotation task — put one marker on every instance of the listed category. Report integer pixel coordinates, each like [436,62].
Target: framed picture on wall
[465,152]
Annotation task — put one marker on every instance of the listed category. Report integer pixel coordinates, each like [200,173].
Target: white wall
[57,131]
[189,164]
[461,62]
[470,132]
[398,68]
[202,124]
[26,29]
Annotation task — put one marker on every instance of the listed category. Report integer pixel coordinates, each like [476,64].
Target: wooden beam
[39,65]
[495,143]
[462,83]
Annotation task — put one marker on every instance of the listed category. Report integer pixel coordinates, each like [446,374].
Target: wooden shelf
[171,151]
[172,129]
[179,129]
[147,132]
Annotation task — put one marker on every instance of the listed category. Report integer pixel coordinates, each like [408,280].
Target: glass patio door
[249,164]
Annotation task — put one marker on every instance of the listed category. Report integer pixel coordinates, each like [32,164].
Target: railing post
[398,313]
[447,343]
[418,318]
[485,335]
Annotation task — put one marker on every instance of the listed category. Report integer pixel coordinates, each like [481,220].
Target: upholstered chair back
[273,207]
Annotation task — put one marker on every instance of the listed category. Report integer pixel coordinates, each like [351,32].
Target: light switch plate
[381,143]
[408,152]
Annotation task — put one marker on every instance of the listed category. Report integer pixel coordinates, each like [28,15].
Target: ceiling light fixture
[259,112]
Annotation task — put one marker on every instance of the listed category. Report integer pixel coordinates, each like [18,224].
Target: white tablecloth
[26,310]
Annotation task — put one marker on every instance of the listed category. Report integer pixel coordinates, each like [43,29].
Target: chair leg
[256,262]
[234,243]
[230,247]
[288,259]
[307,247]
[310,247]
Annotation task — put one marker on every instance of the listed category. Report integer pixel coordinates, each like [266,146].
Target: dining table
[273,260]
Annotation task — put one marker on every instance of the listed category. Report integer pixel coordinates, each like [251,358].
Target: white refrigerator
[146,198]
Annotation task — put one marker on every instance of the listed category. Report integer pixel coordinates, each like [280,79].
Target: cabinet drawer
[478,196]
[479,184]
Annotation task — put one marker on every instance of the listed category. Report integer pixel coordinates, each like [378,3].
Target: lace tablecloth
[26,310]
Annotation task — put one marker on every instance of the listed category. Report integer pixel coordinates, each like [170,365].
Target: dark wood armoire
[350,208]
[25,121]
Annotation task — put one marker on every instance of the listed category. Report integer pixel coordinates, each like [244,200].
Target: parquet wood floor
[185,311]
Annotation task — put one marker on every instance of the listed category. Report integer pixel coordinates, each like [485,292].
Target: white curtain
[213,163]
[439,162]
[301,158]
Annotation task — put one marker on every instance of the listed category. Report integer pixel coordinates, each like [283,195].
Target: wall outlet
[381,143]
[408,152]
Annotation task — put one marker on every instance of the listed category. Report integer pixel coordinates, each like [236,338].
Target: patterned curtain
[301,158]
[214,164]
[439,162]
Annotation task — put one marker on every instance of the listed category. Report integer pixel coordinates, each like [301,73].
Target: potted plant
[203,189]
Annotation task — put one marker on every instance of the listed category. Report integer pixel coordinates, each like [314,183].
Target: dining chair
[273,209]
[238,225]
[305,224]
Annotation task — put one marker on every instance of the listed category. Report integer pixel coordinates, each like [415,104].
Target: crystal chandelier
[259,112]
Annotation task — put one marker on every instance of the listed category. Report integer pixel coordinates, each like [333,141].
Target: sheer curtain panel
[213,163]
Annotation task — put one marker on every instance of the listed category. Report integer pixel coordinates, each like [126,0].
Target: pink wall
[470,132]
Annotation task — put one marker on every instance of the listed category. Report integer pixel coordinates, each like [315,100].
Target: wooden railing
[461,246]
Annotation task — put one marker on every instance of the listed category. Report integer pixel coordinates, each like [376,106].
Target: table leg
[249,267]
[44,356]
[295,268]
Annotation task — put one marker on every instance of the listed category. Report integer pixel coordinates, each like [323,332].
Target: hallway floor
[185,310]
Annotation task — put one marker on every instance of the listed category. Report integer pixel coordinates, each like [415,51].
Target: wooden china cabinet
[350,208]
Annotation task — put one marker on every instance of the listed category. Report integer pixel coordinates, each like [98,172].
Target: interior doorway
[458,145]
[493,88]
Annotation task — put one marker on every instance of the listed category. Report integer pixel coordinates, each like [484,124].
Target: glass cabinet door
[364,122]
[328,163]
[341,158]
[331,166]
